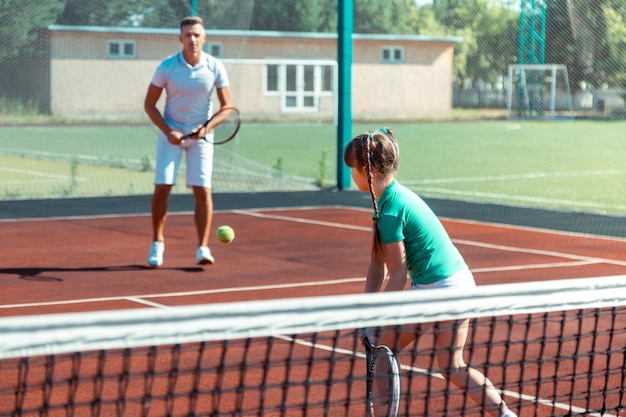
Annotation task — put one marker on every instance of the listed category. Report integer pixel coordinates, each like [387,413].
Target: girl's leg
[451,338]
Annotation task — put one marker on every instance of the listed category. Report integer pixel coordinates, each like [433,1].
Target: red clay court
[81,256]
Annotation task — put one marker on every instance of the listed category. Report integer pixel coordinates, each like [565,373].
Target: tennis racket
[383,380]
[228,123]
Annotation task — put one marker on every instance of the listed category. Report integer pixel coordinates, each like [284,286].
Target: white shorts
[198,156]
[462,279]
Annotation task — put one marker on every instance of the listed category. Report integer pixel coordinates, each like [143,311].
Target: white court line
[148,303]
[591,259]
[140,298]
[524,267]
[526,199]
[51,177]
[507,393]
[578,260]
[302,220]
[145,298]
[460,241]
[33,173]
[531,175]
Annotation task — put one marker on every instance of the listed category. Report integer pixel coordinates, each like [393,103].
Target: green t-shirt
[431,255]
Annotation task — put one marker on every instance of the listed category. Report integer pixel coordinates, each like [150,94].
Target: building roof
[256,33]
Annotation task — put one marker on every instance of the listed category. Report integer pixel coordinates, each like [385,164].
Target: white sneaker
[509,414]
[155,257]
[203,256]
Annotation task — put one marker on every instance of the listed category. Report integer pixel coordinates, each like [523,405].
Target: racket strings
[382,384]
[227,129]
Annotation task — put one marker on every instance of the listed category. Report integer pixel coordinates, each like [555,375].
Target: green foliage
[497,161]
[22,21]
[16,107]
[322,177]
[589,36]
[294,16]
[560,47]
[393,17]
[74,177]
[278,166]
[495,48]
[488,46]
[104,13]
[616,44]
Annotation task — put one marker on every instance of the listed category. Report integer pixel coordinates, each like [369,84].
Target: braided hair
[376,151]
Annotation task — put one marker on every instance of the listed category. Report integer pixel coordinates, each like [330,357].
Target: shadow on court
[45,274]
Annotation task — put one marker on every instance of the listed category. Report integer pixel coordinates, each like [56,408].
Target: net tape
[59,333]
[555,348]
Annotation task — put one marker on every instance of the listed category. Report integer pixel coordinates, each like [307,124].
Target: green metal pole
[194,7]
[345,10]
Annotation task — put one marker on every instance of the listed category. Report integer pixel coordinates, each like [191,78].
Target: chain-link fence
[74,74]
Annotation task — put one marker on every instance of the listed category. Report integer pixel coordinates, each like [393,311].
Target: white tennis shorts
[198,157]
[462,279]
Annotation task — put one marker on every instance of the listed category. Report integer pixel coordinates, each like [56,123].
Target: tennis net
[554,348]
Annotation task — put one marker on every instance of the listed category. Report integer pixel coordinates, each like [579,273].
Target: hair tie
[371,135]
[384,130]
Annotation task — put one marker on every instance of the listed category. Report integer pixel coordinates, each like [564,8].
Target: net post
[345,18]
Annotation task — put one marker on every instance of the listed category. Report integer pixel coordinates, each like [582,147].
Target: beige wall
[422,86]
[85,84]
[99,88]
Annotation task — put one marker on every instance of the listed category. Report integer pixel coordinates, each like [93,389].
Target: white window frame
[392,54]
[121,43]
[299,100]
[208,48]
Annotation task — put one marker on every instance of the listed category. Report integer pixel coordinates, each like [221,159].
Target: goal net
[539,91]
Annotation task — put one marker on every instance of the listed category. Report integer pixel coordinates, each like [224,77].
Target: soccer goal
[539,91]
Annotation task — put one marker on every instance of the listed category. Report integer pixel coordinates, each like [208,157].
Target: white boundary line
[577,260]
[141,298]
[511,197]
[458,241]
[530,175]
[415,370]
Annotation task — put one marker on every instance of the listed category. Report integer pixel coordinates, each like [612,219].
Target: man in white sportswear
[189,79]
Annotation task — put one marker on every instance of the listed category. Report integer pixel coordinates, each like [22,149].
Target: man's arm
[150,107]
[223,94]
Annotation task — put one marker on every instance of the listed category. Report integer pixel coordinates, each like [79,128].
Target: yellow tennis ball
[225,234]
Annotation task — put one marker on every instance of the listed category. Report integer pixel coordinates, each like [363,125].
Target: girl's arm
[395,259]
[375,276]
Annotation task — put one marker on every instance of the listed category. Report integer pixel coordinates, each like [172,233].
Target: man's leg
[203,216]
[159,215]
[159,211]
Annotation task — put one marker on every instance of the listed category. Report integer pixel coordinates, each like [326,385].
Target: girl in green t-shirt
[410,241]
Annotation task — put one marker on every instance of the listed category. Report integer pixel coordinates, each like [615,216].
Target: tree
[559,45]
[228,14]
[426,22]
[391,16]
[104,13]
[489,36]
[587,37]
[613,65]
[23,50]
[496,43]
[293,15]
[22,20]
[458,14]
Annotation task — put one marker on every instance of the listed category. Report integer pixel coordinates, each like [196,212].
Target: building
[104,72]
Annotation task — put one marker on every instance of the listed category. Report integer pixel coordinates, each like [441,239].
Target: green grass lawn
[565,165]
